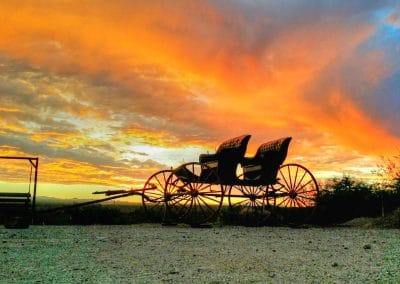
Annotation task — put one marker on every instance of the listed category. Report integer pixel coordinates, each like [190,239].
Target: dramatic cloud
[110,86]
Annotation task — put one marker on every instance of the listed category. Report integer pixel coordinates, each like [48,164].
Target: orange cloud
[352,127]
[7,109]
[191,74]
[7,126]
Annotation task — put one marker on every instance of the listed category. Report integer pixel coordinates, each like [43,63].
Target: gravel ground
[150,253]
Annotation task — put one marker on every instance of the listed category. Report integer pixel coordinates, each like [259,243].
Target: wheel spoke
[194,205]
[295,177]
[304,185]
[155,199]
[296,202]
[306,191]
[260,191]
[243,190]
[197,185]
[204,186]
[285,200]
[159,182]
[210,198]
[183,208]
[205,203]
[300,181]
[152,194]
[240,202]
[201,207]
[287,185]
[290,177]
[281,202]
[311,192]
[177,200]
[308,198]
[302,202]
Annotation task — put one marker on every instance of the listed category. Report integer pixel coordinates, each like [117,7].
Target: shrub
[345,198]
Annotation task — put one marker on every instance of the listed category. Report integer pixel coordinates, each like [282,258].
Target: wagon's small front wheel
[250,204]
[194,194]
[296,193]
[153,198]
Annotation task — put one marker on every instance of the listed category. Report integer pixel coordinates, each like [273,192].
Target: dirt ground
[150,253]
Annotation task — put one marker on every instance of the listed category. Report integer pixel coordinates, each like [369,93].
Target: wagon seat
[262,169]
[226,159]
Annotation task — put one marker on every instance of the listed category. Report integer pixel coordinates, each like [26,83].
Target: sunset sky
[106,93]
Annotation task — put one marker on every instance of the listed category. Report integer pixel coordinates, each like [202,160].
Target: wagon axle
[292,194]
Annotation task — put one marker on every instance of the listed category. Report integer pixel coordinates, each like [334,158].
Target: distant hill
[66,201]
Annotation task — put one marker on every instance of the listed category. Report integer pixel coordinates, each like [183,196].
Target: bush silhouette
[345,198]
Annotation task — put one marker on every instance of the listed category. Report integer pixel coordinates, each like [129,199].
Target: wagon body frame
[184,194]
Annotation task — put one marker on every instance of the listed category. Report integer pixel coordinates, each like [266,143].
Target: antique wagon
[194,192]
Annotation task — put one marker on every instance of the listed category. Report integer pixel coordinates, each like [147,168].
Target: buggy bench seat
[14,197]
[15,209]
[263,167]
[229,154]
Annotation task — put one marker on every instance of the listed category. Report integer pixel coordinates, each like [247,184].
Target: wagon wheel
[251,204]
[190,198]
[153,194]
[296,193]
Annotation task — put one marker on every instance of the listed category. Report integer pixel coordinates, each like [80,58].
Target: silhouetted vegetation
[346,198]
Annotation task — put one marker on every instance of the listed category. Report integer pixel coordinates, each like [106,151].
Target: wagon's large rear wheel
[193,194]
[296,193]
[250,204]
[153,199]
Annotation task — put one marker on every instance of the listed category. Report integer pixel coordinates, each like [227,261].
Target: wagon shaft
[132,191]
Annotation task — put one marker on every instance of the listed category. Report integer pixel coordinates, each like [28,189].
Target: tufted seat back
[265,164]
[229,154]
